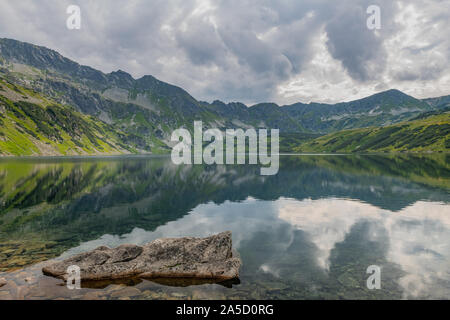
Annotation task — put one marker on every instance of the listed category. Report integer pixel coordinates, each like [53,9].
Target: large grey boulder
[198,258]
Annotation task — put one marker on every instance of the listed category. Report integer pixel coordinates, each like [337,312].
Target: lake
[309,232]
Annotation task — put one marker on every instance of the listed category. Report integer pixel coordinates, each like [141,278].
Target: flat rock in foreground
[199,258]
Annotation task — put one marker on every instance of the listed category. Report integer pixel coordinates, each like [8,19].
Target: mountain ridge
[74,65]
[147,110]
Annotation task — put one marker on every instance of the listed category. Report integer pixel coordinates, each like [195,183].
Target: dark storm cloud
[359,49]
[257,46]
[354,46]
[234,50]
[202,44]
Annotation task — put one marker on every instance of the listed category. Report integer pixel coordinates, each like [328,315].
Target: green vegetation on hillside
[33,125]
[425,134]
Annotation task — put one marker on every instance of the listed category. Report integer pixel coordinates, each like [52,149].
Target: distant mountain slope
[33,125]
[263,115]
[439,102]
[380,109]
[429,132]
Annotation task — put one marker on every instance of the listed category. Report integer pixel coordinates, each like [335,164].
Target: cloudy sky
[283,51]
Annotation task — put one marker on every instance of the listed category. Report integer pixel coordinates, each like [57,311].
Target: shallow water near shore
[309,232]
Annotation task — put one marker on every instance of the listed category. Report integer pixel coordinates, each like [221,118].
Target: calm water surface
[310,232]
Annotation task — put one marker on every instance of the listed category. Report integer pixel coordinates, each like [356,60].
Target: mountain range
[51,105]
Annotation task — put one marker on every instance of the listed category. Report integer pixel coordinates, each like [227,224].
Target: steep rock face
[199,258]
[47,59]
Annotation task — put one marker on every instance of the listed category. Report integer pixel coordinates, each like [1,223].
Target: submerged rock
[2,282]
[199,258]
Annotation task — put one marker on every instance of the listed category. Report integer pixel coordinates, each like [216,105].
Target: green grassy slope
[430,132]
[33,125]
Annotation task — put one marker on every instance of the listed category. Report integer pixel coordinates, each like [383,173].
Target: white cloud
[418,237]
